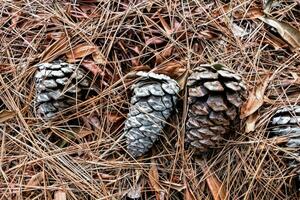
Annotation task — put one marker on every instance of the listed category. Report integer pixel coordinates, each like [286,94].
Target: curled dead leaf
[114,117]
[92,67]
[6,115]
[80,51]
[154,181]
[251,122]
[164,54]
[173,69]
[140,68]
[99,58]
[274,141]
[35,180]
[287,32]
[215,185]
[55,35]
[255,99]
[188,195]
[82,132]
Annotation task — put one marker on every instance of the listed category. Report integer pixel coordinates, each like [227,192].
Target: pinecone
[154,98]
[286,122]
[59,85]
[215,95]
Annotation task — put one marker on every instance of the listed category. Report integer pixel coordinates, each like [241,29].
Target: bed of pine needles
[113,39]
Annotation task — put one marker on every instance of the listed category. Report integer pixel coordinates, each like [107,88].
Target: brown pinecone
[154,98]
[215,95]
[59,85]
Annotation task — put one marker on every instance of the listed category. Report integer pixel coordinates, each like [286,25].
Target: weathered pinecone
[59,85]
[215,95]
[154,98]
[286,122]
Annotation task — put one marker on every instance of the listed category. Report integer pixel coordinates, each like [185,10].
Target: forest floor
[259,40]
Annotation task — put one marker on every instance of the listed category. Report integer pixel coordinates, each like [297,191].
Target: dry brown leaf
[56,49]
[55,35]
[140,68]
[255,99]
[188,195]
[252,13]
[250,122]
[164,54]
[35,180]
[92,67]
[287,32]
[154,40]
[173,69]
[215,185]
[114,117]
[154,181]
[6,115]
[82,132]
[99,58]
[274,141]
[166,26]
[60,195]
[80,51]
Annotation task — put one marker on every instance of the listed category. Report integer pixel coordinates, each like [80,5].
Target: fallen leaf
[188,195]
[56,49]
[140,68]
[255,99]
[35,180]
[60,195]
[55,35]
[238,31]
[153,40]
[252,13]
[173,69]
[99,58]
[164,54]
[6,115]
[82,132]
[154,181]
[166,26]
[250,122]
[114,117]
[135,192]
[92,67]
[287,32]
[80,51]
[273,141]
[215,185]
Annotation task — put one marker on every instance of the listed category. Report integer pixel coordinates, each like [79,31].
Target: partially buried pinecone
[215,95]
[286,122]
[59,85]
[154,98]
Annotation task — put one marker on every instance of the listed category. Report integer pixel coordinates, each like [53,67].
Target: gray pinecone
[59,85]
[154,98]
[215,95]
[286,122]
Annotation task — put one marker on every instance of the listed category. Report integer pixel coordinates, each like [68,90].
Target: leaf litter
[113,39]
